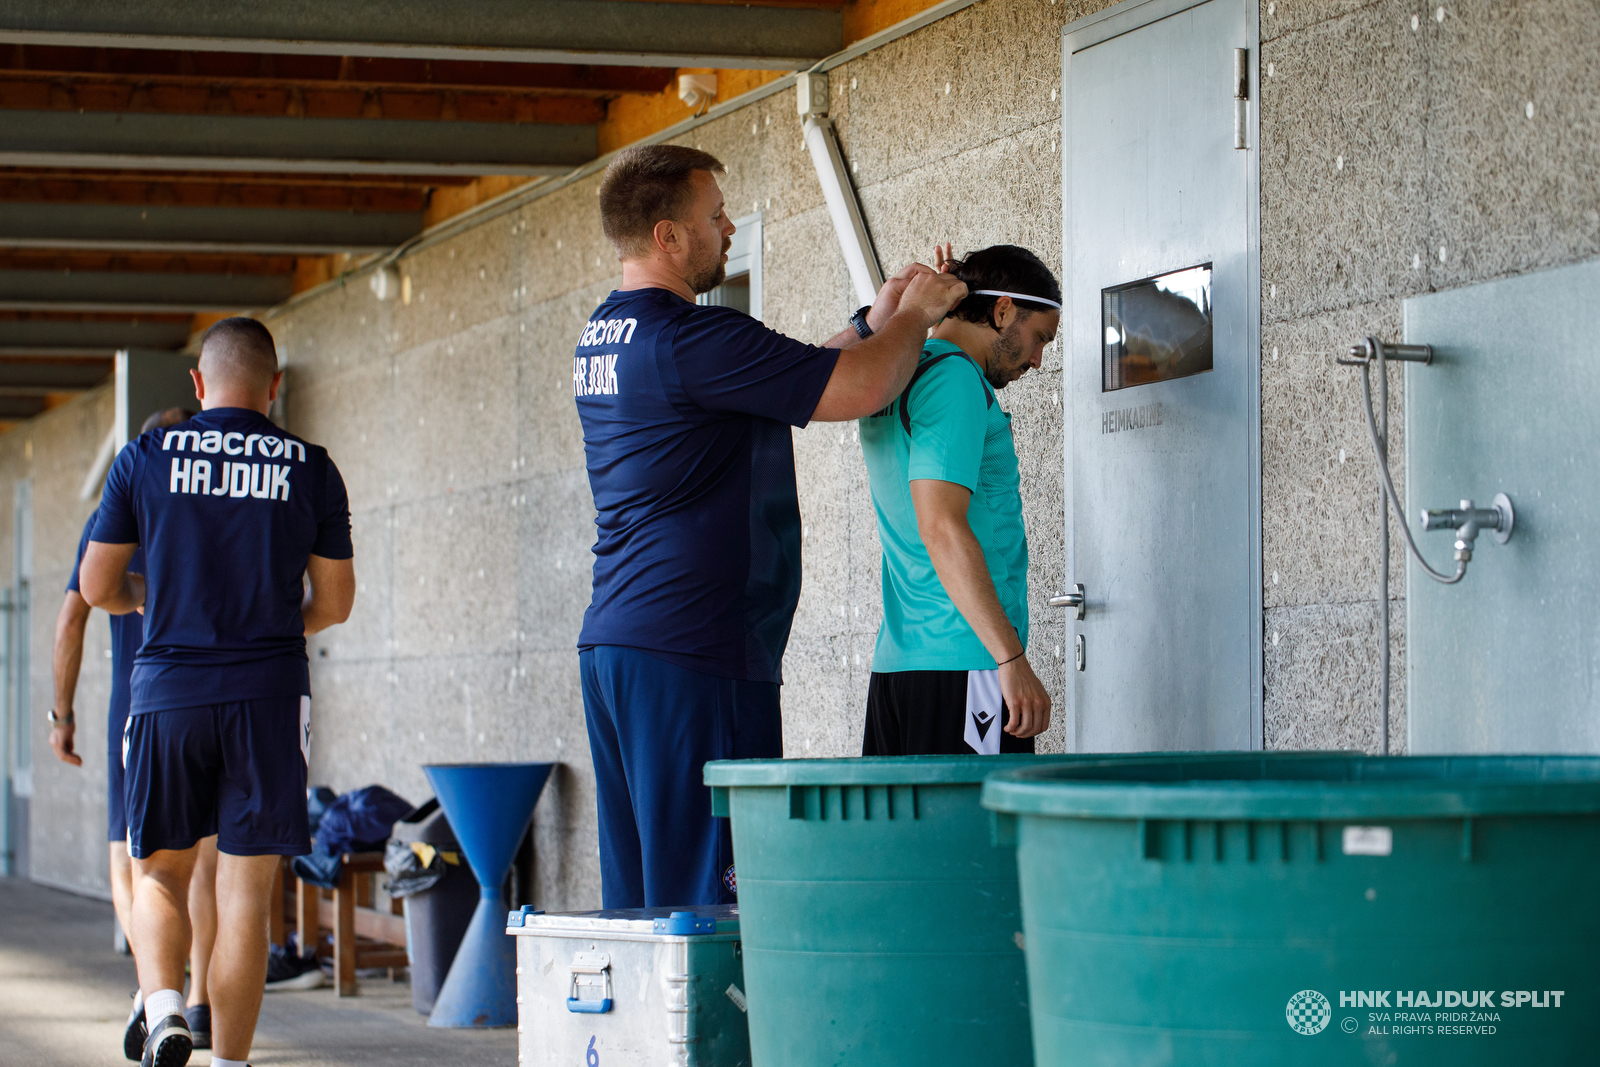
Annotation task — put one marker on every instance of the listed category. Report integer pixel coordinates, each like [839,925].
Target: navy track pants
[652,727]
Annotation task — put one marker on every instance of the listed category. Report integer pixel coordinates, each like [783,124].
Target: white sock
[160,1004]
[218,1061]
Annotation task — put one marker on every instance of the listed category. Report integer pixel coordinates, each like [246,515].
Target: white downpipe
[843,209]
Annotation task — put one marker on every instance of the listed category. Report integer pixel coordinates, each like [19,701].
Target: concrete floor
[64,999]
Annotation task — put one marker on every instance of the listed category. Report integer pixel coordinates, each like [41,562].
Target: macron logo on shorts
[982,734]
[264,481]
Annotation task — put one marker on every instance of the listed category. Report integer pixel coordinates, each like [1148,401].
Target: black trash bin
[436,918]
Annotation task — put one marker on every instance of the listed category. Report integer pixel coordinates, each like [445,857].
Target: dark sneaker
[134,1033]
[199,1019]
[169,1043]
[286,970]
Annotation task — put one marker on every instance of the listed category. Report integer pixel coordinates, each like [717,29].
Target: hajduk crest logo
[1309,1012]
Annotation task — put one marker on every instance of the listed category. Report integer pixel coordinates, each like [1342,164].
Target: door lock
[1074,599]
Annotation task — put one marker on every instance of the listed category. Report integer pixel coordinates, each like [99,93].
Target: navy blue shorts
[116,810]
[236,770]
[652,727]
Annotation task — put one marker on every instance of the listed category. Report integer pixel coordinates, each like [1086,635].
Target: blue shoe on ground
[199,1020]
[286,971]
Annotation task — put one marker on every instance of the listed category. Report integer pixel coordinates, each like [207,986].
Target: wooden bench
[363,936]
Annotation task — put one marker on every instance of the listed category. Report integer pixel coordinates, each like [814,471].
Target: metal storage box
[647,987]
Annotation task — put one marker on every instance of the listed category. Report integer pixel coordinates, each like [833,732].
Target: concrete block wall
[67,813]
[1383,141]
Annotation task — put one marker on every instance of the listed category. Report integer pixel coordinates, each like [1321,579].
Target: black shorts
[116,798]
[236,770]
[938,713]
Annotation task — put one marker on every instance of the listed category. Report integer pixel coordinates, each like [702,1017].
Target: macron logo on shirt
[264,481]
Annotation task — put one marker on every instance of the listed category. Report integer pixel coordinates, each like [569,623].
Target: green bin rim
[930,770]
[1437,787]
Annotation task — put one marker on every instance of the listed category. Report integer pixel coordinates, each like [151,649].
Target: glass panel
[1157,329]
[734,292]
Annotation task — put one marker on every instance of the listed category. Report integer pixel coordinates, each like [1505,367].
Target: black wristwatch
[859,321]
[69,720]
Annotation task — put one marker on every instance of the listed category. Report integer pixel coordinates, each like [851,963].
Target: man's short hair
[1009,269]
[645,184]
[169,417]
[239,352]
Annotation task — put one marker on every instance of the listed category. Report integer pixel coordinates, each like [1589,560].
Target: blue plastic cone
[489,806]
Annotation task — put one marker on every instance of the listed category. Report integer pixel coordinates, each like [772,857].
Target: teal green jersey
[945,426]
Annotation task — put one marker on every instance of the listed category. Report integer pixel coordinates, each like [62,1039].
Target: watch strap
[859,321]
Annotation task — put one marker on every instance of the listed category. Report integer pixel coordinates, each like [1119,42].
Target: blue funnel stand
[489,806]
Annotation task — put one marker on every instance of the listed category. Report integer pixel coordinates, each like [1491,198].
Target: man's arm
[104,579]
[332,593]
[883,308]
[65,662]
[958,559]
[871,373]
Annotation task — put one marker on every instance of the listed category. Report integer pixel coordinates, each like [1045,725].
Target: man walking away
[687,414]
[233,514]
[950,673]
[127,634]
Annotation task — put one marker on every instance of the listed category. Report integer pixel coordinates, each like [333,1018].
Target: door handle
[1074,599]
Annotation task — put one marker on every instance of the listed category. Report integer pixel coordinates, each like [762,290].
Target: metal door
[147,382]
[1163,466]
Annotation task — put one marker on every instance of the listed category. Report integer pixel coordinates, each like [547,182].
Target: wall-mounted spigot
[1467,520]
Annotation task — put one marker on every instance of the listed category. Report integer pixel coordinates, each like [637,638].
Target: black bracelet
[1018,656]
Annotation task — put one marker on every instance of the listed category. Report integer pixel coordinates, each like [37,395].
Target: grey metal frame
[138,291]
[283,143]
[92,339]
[1094,29]
[605,32]
[172,228]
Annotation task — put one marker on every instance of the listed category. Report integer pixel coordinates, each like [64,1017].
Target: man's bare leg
[239,958]
[202,918]
[161,931]
[122,890]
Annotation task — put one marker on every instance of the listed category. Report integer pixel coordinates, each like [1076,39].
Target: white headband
[1016,296]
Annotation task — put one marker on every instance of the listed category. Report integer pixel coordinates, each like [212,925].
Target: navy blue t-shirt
[228,508]
[127,631]
[686,413]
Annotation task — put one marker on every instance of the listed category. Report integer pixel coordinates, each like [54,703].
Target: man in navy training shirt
[233,514]
[687,414]
[127,634]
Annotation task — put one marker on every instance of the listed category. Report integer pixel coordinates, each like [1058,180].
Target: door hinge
[1241,96]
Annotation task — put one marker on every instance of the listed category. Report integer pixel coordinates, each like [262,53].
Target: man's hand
[1026,698]
[932,295]
[870,373]
[61,742]
[888,301]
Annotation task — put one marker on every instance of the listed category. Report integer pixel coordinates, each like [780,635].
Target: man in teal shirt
[951,673]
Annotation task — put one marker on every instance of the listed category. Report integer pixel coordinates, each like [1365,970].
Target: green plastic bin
[881,926]
[1318,910]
